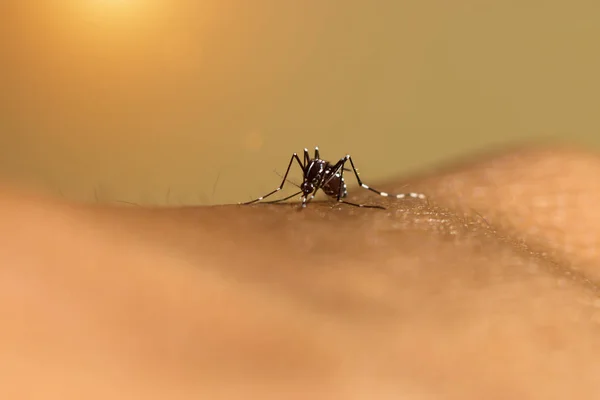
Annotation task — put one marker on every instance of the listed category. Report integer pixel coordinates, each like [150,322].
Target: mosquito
[319,174]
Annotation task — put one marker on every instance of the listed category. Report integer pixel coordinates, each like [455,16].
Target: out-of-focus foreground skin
[488,290]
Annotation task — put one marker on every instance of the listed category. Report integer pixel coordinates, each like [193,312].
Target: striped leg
[384,194]
[339,168]
[282,200]
[294,157]
[279,201]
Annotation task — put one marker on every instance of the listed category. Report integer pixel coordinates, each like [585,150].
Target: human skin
[487,290]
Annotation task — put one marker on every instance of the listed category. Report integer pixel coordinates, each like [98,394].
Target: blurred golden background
[197,102]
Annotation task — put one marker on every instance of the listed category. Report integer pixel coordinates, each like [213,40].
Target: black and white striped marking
[319,174]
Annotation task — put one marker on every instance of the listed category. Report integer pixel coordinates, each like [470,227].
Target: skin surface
[487,290]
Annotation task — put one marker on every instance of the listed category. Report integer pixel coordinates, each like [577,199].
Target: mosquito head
[307,188]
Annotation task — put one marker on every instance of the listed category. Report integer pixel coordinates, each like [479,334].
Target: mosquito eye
[307,186]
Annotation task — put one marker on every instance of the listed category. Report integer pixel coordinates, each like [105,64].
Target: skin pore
[487,290]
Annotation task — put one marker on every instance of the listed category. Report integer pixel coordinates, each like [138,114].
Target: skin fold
[488,289]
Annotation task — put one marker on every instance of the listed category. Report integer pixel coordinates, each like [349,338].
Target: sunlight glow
[116,14]
[107,7]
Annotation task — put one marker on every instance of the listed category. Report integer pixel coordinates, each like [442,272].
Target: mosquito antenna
[215,185]
[127,202]
[287,180]
[168,195]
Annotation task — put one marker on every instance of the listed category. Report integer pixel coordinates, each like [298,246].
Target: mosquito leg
[306,200]
[360,205]
[384,194]
[336,170]
[284,199]
[294,157]
[342,187]
[306,158]
[317,155]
